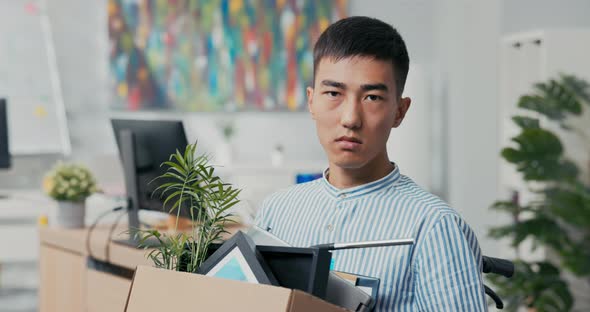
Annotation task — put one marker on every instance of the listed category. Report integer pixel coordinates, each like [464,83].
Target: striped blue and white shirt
[442,271]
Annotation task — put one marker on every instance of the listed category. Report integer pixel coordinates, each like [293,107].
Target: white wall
[523,15]
[414,19]
[466,48]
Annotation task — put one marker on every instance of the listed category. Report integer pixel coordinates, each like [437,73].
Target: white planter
[224,153]
[69,214]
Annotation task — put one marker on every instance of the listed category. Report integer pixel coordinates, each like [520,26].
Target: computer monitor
[143,146]
[4,152]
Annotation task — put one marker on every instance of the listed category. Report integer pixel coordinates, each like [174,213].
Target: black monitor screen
[4,152]
[155,141]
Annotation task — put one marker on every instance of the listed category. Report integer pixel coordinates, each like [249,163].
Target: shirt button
[330,227]
[342,196]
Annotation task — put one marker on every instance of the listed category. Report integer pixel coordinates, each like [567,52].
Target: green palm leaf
[190,183]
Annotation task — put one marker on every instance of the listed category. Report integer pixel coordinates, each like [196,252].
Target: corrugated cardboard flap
[163,290]
[304,302]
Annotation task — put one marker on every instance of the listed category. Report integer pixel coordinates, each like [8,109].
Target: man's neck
[343,178]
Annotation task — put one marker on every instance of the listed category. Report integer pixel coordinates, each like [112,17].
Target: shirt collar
[359,190]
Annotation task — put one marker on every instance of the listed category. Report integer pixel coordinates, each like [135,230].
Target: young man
[360,69]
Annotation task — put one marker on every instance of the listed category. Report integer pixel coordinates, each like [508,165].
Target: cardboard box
[162,290]
[105,292]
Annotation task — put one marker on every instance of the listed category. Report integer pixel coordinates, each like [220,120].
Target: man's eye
[372,97]
[332,93]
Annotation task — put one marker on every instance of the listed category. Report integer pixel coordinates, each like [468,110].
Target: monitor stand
[127,139]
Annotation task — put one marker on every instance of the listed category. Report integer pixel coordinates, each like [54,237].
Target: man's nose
[351,117]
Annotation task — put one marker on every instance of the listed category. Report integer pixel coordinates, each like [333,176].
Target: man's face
[355,104]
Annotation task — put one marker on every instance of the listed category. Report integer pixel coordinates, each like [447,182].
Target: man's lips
[349,139]
[348,143]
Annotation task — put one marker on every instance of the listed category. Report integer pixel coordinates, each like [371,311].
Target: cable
[107,250]
[91,229]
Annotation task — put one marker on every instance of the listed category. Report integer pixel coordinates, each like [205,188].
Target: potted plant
[559,217]
[69,185]
[190,183]
[224,151]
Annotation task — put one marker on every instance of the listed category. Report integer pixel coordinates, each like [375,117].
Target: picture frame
[238,259]
[305,269]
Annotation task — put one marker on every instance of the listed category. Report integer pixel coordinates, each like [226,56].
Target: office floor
[18,287]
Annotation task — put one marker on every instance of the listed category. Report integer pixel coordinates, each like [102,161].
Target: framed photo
[238,259]
[306,269]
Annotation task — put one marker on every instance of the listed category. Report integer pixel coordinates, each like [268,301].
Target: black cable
[94,224]
[110,237]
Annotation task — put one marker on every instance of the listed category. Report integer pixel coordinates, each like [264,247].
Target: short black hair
[364,36]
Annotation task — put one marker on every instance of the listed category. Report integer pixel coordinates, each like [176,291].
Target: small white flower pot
[69,214]
[224,153]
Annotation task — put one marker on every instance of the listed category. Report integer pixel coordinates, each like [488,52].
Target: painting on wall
[215,55]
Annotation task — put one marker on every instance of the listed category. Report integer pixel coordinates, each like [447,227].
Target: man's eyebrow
[335,84]
[375,86]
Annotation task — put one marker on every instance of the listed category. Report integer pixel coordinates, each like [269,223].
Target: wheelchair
[497,266]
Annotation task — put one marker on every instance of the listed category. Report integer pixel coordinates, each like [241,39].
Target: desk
[66,284]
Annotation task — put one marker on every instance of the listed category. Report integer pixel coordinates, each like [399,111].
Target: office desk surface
[76,241]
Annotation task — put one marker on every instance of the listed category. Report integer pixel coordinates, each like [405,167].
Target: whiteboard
[29,80]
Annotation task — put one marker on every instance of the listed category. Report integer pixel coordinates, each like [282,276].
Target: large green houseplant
[190,183]
[559,217]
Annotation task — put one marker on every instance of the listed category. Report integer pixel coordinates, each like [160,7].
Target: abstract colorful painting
[215,55]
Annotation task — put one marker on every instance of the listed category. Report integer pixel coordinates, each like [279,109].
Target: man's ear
[310,101]
[402,109]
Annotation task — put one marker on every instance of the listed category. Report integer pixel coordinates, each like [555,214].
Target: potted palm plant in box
[190,183]
[69,185]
